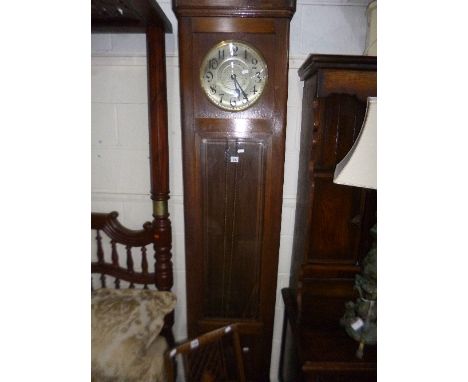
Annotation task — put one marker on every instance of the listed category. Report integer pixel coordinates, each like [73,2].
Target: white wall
[120,166]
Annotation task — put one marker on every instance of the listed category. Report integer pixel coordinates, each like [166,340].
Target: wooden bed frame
[161,278]
[141,16]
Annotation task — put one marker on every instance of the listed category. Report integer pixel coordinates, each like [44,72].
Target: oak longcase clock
[233,82]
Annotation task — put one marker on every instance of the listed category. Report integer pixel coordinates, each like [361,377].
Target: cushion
[125,327]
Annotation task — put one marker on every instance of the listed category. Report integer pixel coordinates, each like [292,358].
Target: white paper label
[358,324]
[234,159]
[239,151]
[194,344]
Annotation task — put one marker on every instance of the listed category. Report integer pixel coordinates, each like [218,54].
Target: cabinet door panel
[232,172]
[340,124]
[336,220]
[336,210]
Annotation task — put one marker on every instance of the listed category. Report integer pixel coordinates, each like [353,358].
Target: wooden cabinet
[314,353]
[331,233]
[233,170]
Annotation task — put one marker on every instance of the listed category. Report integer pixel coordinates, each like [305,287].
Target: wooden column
[159,154]
[159,163]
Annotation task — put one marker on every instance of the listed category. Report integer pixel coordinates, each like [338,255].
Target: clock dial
[233,75]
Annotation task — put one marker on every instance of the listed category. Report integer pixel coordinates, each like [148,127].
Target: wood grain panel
[234,127]
[338,128]
[230,25]
[339,81]
[335,214]
[233,219]
[239,8]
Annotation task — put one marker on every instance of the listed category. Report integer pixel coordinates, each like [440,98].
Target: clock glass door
[233,179]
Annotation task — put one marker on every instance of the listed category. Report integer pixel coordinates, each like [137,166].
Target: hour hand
[233,78]
[237,85]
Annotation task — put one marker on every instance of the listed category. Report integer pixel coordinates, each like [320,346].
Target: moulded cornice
[330,61]
[239,8]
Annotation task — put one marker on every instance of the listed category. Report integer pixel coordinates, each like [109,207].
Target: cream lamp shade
[359,167]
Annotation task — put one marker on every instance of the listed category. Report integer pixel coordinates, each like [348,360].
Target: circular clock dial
[233,75]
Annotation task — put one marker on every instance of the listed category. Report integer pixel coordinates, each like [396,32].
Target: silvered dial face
[233,75]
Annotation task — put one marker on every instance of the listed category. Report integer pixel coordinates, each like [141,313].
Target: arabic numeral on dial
[221,95]
[233,102]
[259,79]
[245,54]
[254,61]
[209,76]
[213,63]
[213,89]
[235,50]
[221,55]
[254,89]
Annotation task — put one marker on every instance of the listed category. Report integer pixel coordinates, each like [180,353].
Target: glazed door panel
[233,176]
[231,261]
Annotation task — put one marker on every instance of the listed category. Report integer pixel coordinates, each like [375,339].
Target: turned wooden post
[159,155]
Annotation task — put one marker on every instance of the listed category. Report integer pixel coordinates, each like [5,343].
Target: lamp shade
[359,167]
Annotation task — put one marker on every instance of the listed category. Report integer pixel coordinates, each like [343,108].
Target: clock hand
[233,77]
[238,85]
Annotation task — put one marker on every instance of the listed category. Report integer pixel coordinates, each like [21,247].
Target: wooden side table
[321,354]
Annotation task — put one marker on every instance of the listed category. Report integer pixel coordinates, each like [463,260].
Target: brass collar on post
[160,208]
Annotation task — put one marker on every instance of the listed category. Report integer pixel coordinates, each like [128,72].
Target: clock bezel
[202,74]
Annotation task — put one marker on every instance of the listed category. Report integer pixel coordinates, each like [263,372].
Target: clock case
[233,209]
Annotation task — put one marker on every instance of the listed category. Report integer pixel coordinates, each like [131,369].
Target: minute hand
[234,77]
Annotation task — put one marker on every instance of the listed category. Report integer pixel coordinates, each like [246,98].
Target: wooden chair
[213,356]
